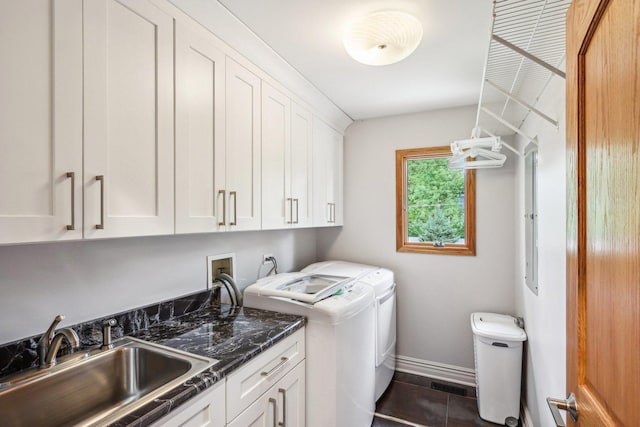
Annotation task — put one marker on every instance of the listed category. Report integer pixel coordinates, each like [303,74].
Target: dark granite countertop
[232,336]
[195,323]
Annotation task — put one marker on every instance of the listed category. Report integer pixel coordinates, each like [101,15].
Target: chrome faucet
[51,340]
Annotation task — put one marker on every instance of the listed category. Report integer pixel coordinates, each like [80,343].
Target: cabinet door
[277,203]
[243,152]
[128,119]
[205,410]
[40,121]
[320,201]
[327,175]
[301,166]
[261,413]
[291,397]
[200,145]
[338,173]
[282,405]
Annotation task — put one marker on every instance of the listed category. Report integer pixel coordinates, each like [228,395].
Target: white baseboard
[435,370]
[525,415]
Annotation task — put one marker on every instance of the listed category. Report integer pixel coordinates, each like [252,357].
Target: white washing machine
[340,346]
[382,282]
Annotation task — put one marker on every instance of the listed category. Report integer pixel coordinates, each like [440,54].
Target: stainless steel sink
[99,388]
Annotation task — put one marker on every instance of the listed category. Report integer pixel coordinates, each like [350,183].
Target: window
[435,205]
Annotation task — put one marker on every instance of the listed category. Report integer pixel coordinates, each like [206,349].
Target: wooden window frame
[402,243]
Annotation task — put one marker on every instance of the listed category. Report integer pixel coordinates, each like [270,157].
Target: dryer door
[386,324]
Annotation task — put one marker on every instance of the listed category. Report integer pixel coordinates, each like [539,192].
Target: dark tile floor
[414,400]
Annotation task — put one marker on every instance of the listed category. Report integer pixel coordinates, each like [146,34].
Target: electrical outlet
[217,264]
[265,259]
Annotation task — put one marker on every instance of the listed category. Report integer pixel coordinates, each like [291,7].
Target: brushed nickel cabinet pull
[284,407]
[224,207]
[275,411]
[235,207]
[101,179]
[290,201]
[297,212]
[332,213]
[72,175]
[283,360]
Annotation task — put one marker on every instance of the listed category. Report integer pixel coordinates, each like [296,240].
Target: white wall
[436,293]
[544,314]
[90,279]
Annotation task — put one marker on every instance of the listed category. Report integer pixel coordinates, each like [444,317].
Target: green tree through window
[435,205]
[435,201]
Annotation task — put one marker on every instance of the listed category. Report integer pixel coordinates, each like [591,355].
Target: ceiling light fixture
[383,38]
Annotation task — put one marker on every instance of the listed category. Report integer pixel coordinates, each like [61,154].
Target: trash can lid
[497,326]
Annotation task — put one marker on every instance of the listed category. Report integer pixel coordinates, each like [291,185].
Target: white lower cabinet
[206,410]
[282,405]
[270,389]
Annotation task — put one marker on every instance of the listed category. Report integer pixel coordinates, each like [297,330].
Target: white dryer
[382,282]
[340,359]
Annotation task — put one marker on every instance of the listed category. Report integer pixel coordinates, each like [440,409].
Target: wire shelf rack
[526,50]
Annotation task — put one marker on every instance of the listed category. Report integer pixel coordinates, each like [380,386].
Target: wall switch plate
[216,264]
[265,259]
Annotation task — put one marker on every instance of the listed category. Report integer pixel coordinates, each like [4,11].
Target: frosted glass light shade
[383,38]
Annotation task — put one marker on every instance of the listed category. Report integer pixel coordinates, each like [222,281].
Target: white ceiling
[444,71]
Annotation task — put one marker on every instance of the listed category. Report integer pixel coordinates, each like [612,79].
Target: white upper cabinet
[277,204]
[243,153]
[301,166]
[91,91]
[286,161]
[40,121]
[128,119]
[327,175]
[200,130]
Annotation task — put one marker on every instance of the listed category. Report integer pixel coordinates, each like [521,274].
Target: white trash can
[497,343]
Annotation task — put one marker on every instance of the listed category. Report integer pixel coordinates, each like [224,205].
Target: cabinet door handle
[72,175]
[275,411]
[100,178]
[329,212]
[283,360]
[297,212]
[284,407]
[224,207]
[334,213]
[235,207]
[290,201]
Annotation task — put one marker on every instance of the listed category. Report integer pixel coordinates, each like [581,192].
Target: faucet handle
[106,333]
[48,335]
[46,338]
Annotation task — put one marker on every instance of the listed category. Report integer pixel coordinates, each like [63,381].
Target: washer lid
[497,326]
[339,268]
[308,288]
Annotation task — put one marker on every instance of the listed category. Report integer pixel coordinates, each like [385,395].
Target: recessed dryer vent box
[216,264]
